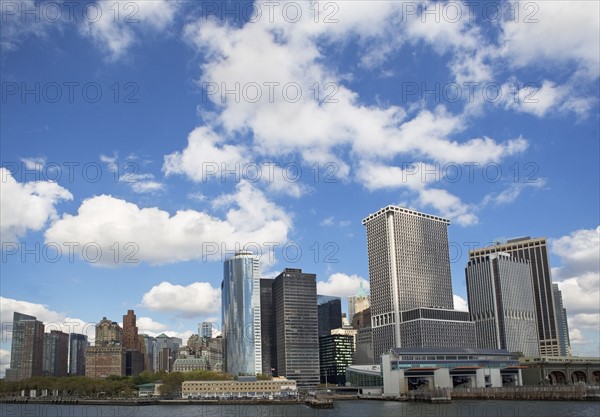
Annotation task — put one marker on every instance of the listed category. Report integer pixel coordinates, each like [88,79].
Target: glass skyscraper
[240,304]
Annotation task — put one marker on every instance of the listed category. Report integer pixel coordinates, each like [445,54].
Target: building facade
[267,323]
[206,329]
[436,328]
[56,354]
[104,361]
[336,353]
[329,312]
[406,369]
[244,387]
[26,355]
[130,331]
[564,341]
[108,333]
[166,352]
[501,303]
[358,303]
[409,267]
[240,295]
[78,343]
[364,347]
[150,352]
[536,252]
[296,326]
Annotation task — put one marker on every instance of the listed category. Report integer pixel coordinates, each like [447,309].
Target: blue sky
[153,138]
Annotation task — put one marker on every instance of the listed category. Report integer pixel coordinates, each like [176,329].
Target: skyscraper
[336,353]
[501,303]
[536,252]
[206,329]
[130,331]
[108,333]
[329,312]
[561,321]
[358,303]
[296,326]
[56,354]
[77,345]
[108,356]
[409,267]
[26,356]
[267,324]
[240,302]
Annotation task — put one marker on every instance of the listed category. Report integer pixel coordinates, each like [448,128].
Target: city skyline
[140,151]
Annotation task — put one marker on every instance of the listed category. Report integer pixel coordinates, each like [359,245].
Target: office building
[336,353]
[26,356]
[78,343]
[329,312]
[364,347]
[130,331]
[105,360]
[409,268]
[267,323]
[362,319]
[215,354]
[108,333]
[206,329]
[244,387]
[296,326]
[536,252]
[56,354]
[501,303]
[150,352]
[436,328]
[166,351]
[564,340]
[240,298]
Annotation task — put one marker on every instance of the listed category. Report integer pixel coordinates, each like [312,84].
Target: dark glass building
[56,354]
[330,313]
[267,320]
[78,343]
[296,327]
[336,353]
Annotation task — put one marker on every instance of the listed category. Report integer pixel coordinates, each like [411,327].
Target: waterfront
[342,409]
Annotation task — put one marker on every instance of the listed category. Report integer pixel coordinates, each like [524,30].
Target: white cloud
[27,206]
[553,32]
[4,361]
[251,219]
[119,23]
[342,285]
[579,252]
[148,326]
[52,320]
[585,321]
[460,303]
[448,205]
[192,300]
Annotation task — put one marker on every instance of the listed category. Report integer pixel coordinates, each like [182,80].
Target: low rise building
[244,387]
[406,369]
[149,390]
[560,370]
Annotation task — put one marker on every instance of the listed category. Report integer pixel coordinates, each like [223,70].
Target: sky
[142,143]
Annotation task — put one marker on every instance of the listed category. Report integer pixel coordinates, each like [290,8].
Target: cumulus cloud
[148,326]
[342,285]
[154,236]
[4,361]
[27,206]
[118,23]
[192,300]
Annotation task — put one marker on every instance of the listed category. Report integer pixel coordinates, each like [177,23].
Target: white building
[244,387]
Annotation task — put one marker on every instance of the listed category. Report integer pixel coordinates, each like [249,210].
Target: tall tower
[561,321]
[536,252]
[56,354]
[26,356]
[409,267]
[240,304]
[358,302]
[500,303]
[296,326]
[77,345]
[329,313]
[130,331]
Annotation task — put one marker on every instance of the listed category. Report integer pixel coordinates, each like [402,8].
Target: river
[342,409]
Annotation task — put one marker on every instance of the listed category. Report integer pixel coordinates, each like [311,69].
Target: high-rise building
[536,252]
[56,354]
[296,326]
[336,353]
[130,331]
[363,354]
[77,346]
[166,351]
[561,321]
[267,323]
[108,356]
[358,302]
[240,302]
[206,329]
[329,313]
[150,352]
[501,303]
[215,354]
[409,267]
[362,319]
[26,356]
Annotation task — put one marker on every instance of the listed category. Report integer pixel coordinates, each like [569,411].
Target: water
[342,409]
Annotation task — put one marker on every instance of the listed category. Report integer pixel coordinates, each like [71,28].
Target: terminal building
[406,369]
[244,387]
[560,370]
